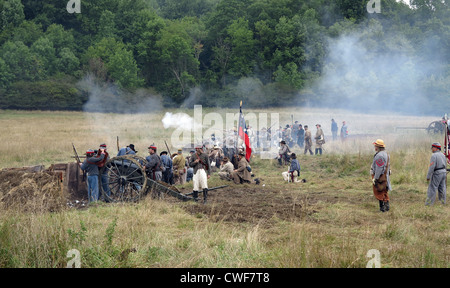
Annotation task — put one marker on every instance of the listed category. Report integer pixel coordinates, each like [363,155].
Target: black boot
[205,195]
[195,195]
[386,206]
[382,206]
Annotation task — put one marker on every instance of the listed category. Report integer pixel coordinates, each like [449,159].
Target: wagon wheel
[126,179]
[435,127]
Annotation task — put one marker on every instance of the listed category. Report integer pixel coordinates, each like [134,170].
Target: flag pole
[238,124]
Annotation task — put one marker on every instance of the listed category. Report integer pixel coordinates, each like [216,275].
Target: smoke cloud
[371,70]
[109,98]
[178,120]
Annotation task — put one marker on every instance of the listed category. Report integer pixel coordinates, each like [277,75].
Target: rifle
[209,189]
[118,147]
[168,150]
[78,161]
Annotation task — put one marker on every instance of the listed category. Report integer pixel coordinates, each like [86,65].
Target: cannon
[128,182]
[436,127]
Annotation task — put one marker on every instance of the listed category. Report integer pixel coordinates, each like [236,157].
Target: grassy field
[339,223]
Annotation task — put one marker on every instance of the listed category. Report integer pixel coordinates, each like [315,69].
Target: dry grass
[344,224]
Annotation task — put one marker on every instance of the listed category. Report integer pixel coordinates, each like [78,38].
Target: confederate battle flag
[243,135]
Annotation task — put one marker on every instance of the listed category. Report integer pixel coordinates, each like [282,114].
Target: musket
[78,161]
[118,147]
[209,189]
[168,150]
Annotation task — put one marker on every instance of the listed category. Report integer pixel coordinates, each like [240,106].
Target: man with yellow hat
[380,175]
[436,176]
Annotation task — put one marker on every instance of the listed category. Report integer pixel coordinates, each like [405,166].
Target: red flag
[244,135]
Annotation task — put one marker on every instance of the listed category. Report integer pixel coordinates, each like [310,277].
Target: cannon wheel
[127,181]
[435,127]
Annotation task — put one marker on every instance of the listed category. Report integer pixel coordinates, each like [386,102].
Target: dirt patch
[31,192]
[248,203]
[252,203]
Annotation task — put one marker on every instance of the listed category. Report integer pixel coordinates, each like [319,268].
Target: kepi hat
[436,145]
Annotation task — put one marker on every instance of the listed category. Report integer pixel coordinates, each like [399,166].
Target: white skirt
[200,180]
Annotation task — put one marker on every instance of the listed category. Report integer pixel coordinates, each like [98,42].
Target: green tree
[290,41]
[107,27]
[60,37]
[22,63]
[67,62]
[240,39]
[221,18]
[146,32]
[351,9]
[177,54]
[314,41]
[27,32]
[123,69]
[45,51]
[289,75]
[6,76]
[221,60]
[11,14]
[177,9]
[118,60]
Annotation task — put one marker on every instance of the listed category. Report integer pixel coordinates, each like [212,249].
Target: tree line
[265,52]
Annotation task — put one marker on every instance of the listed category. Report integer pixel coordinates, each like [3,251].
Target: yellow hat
[379,143]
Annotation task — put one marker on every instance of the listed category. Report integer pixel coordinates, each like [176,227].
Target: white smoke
[178,120]
[109,98]
[371,70]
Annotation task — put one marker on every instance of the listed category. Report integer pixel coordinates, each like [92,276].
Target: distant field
[332,220]
[41,137]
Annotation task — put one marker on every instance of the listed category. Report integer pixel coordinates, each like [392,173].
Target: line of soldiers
[264,139]
[202,162]
[198,166]
[306,137]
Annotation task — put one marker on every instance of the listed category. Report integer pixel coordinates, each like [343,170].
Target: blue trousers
[105,184]
[93,188]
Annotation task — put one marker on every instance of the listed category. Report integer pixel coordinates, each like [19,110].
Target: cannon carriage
[436,127]
[129,182]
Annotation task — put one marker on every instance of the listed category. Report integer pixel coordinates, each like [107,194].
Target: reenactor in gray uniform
[436,176]
[129,150]
[226,169]
[154,165]
[380,175]
[283,153]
